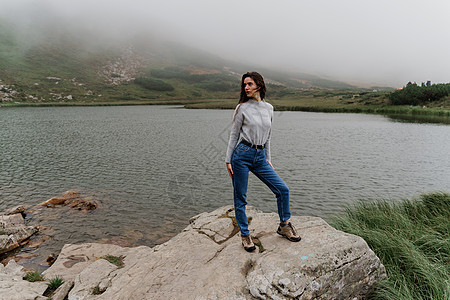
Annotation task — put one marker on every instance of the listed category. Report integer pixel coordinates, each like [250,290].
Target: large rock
[13,287]
[13,231]
[11,220]
[74,258]
[95,278]
[14,210]
[207,261]
[72,198]
[63,290]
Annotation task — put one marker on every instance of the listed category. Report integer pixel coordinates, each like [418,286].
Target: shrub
[413,94]
[214,86]
[153,84]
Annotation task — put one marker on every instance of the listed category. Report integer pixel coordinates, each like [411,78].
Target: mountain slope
[67,66]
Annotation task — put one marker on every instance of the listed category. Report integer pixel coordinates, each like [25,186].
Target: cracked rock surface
[13,230]
[14,287]
[207,261]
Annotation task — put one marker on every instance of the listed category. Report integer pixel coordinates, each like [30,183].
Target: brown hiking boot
[248,244]
[289,232]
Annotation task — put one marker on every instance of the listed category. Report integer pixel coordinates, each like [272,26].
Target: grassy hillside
[67,67]
[64,66]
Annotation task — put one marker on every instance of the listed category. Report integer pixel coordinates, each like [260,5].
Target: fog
[381,42]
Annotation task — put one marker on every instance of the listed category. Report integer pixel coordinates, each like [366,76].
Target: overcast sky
[381,42]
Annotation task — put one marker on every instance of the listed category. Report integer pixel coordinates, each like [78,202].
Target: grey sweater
[252,121]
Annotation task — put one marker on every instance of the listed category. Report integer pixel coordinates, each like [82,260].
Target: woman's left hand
[271,165]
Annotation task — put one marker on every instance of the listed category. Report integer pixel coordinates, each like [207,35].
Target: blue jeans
[243,160]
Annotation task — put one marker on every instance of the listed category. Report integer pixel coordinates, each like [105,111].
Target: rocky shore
[206,261]
[31,235]
[13,231]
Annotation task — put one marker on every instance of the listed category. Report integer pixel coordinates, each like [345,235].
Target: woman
[249,150]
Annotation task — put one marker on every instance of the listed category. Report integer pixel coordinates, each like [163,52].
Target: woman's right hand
[230,170]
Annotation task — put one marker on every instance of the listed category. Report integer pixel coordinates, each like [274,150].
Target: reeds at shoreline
[411,238]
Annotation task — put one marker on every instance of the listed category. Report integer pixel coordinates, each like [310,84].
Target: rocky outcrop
[206,261]
[19,209]
[123,69]
[73,199]
[62,291]
[7,93]
[14,287]
[13,230]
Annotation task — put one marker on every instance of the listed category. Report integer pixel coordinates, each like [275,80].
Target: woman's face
[251,89]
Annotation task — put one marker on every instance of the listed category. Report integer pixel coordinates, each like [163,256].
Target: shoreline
[372,109]
[418,113]
[371,223]
[189,262]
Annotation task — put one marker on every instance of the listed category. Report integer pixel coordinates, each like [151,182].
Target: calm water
[153,167]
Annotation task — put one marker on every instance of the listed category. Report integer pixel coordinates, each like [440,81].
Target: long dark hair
[259,81]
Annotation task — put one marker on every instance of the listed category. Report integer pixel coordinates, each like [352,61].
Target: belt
[251,145]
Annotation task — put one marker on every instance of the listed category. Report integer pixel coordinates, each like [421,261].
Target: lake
[151,168]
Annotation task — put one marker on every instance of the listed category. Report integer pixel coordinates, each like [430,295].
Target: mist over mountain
[379,43]
[56,61]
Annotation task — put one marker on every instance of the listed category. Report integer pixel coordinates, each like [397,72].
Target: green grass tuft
[55,283]
[33,276]
[258,243]
[412,240]
[116,260]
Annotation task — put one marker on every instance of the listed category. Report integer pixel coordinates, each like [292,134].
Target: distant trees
[413,94]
